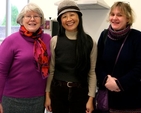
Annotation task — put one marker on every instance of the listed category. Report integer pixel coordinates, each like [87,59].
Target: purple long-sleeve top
[19,75]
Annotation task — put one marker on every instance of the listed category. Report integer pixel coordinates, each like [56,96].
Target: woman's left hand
[89,105]
[48,102]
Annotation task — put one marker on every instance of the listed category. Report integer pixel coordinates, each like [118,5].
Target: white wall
[48,7]
[94,20]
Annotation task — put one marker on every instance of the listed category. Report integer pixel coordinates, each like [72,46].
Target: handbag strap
[119,52]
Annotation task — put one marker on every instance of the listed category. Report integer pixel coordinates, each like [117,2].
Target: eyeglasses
[30,17]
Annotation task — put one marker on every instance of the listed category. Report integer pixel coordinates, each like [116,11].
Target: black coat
[127,69]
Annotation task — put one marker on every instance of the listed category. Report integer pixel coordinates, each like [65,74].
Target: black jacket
[127,69]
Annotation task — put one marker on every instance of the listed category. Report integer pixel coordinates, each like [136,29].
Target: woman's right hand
[1,108]
[48,102]
[111,84]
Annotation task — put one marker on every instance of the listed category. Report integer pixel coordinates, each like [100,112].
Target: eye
[36,16]
[28,16]
[119,15]
[72,14]
[112,14]
[63,16]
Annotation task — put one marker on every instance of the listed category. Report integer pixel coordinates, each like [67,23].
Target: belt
[68,84]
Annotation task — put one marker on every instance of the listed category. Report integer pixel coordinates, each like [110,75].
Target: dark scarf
[40,51]
[117,35]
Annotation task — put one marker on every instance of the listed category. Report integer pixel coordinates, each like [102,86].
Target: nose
[115,17]
[32,18]
[69,18]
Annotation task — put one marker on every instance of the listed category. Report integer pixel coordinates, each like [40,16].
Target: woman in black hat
[72,82]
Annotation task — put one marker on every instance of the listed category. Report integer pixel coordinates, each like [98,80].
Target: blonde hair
[30,7]
[125,8]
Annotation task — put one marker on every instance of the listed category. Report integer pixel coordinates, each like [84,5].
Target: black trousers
[68,100]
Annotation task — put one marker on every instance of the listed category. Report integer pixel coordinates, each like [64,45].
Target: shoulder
[54,38]
[11,41]
[135,30]
[103,36]
[54,41]
[89,37]
[92,39]
[12,37]
[46,36]
[104,32]
[135,37]
[135,34]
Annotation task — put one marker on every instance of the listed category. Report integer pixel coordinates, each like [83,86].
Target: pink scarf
[40,50]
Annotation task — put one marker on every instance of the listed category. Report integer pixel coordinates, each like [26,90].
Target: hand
[48,102]
[1,108]
[111,84]
[89,105]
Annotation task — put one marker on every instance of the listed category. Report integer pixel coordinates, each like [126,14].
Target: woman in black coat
[123,78]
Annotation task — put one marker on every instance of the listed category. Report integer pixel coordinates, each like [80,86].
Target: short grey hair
[30,7]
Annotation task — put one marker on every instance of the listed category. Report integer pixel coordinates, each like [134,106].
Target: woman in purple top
[24,59]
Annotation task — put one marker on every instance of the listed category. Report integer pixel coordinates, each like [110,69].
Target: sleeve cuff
[119,85]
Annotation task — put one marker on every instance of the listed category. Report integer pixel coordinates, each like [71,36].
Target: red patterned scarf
[40,50]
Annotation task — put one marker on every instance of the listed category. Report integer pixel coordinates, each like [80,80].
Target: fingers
[110,77]
[48,108]
[117,90]
[111,84]
[88,111]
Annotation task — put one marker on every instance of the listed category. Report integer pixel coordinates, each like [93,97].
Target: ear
[127,19]
[21,23]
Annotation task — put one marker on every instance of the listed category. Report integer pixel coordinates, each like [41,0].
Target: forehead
[69,12]
[31,12]
[117,9]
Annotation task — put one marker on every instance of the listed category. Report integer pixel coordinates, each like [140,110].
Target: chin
[116,28]
[32,31]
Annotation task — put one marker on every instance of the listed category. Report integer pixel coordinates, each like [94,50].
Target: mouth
[115,22]
[70,24]
[32,24]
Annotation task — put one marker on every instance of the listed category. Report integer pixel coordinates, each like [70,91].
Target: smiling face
[118,19]
[70,21]
[31,21]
